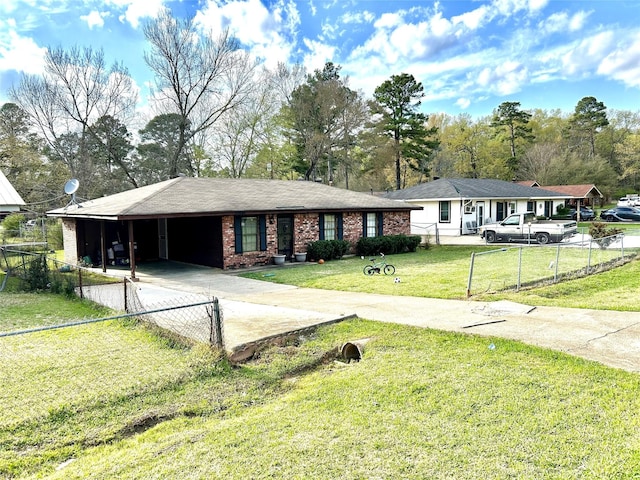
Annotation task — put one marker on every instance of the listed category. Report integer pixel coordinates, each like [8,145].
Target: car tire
[543,238]
[490,236]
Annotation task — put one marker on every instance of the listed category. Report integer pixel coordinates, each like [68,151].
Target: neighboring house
[457,206]
[224,223]
[584,194]
[10,200]
[579,195]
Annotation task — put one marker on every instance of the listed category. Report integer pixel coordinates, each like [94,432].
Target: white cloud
[267,34]
[587,54]
[319,54]
[94,19]
[561,22]
[357,17]
[21,54]
[473,19]
[623,63]
[463,103]
[504,79]
[578,20]
[136,10]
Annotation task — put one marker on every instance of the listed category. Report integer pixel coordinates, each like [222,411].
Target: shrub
[327,249]
[54,235]
[602,234]
[387,244]
[11,224]
[37,276]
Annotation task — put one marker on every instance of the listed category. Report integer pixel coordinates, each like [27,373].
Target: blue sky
[470,55]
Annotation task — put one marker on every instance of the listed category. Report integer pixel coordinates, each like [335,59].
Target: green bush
[54,234]
[37,277]
[327,249]
[387,244]
[11,224]
[602,234]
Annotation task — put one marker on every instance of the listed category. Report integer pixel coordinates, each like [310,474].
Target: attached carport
[106,242]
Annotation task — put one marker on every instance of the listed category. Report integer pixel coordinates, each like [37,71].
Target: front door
[285,235]
[480,213]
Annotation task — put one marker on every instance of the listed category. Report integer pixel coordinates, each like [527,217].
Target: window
[372,224]
[445,208]
[250,233]
[330,226]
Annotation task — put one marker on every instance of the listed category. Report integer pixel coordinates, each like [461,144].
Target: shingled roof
[471,188]
[186,196]
[576,191]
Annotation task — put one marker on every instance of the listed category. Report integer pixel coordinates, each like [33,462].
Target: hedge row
[388,244]
[327,249]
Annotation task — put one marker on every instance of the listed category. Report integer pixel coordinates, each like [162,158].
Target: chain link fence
[53,371]
[517,267]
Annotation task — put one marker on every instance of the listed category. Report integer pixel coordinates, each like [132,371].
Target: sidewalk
[255,309]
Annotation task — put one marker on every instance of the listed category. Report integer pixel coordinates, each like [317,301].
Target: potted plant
[279,259]
[301,257]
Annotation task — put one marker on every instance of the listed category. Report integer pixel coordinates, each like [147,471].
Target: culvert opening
[353,350]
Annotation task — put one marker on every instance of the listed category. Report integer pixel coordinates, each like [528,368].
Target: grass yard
[421,404]
[443,272]
[117,400]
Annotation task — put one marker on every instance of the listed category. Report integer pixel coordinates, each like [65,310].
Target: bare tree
[76,89]
[196,76]
[243,132]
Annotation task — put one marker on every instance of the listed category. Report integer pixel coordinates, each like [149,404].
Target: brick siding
[305,231]
[70,241]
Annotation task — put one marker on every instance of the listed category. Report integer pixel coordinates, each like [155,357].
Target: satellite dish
[71,186]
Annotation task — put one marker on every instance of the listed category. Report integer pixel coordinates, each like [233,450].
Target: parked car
[586,214]
[621,214]
[525,226]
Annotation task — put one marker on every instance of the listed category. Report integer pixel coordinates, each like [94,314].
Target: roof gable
[576,191]
[9,197]
[217,196]
[471,188]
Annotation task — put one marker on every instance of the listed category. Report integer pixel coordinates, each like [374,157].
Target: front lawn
[420,404]
[443,272]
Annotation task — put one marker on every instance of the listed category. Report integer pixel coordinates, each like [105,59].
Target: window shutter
[339,226]
[380,223]
[237,229]
[364,224]
[321,226]
[262,225]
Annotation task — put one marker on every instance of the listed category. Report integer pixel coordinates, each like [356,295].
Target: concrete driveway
[255,309]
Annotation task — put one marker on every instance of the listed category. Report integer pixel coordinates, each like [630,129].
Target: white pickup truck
[525,226]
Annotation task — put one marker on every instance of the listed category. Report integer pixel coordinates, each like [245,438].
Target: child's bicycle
[377,267]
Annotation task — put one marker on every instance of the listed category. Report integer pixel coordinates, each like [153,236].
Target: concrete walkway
[255,309]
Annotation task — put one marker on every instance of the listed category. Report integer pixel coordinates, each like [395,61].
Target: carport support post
[103,247]
[132,252]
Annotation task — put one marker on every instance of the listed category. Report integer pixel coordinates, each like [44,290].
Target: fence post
[622,246]
[215,324]
[80,282]
[473,256]
[126,307]
[589,257]
[555,274]
[519,281]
